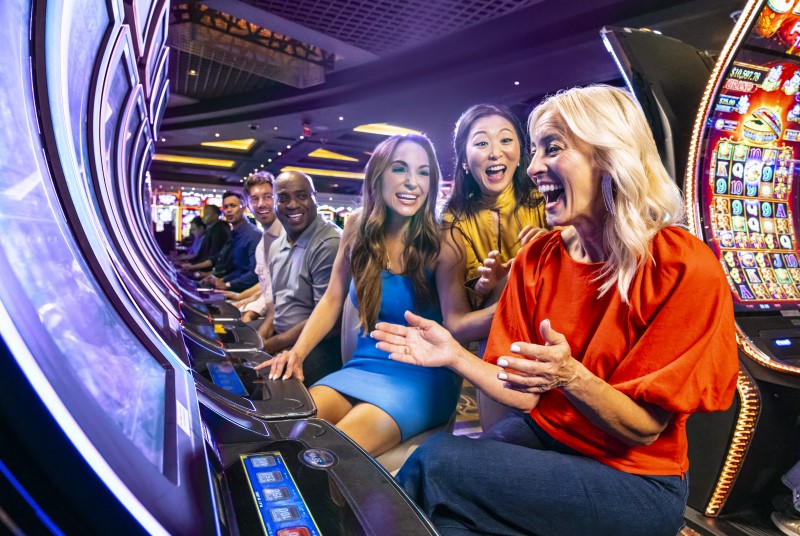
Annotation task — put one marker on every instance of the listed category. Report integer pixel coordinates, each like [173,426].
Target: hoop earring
[606,185]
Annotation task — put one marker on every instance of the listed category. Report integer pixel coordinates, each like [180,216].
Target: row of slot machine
[110,417]
[336,215]
[180,208]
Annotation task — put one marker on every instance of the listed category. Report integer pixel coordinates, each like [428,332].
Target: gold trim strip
[690,185]
[749,410]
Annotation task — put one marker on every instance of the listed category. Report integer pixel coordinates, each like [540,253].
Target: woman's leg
[331,404]
[492,487]
[370,427]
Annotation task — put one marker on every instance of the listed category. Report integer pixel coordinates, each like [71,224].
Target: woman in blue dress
[398,258]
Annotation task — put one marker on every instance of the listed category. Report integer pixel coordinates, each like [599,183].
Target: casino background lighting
[236,145]
[324,172]
[330,155]
[384,129]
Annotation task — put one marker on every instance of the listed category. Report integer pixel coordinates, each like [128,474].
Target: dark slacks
[518,480]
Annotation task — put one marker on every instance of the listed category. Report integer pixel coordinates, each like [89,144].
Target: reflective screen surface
[117,372]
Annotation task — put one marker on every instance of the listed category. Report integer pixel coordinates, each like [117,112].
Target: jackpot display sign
[749,175]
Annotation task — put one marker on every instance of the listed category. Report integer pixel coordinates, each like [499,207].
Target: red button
[294,531]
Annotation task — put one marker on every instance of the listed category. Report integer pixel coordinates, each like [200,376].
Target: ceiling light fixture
[384,129]
[194,161]
[235,145]
[324,172]
[330,155]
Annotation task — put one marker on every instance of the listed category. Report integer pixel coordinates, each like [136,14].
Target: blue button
[319,458]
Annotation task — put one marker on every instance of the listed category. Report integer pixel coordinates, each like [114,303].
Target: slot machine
[742,198]
[342,214]
[103,427]
[327,212]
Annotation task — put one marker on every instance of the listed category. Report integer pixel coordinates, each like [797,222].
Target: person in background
[197,229]
[494,207]
[166,238]
[300,264]
[391,258]
[256,301]
[216,236]
[600,342]
[239,271]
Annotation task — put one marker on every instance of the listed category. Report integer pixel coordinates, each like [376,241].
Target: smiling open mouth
[495,172]
[551,192]
[407,197]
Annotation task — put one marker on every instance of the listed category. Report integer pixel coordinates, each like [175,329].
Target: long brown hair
[368,247]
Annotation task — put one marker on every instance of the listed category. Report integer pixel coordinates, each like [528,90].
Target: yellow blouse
[495,226]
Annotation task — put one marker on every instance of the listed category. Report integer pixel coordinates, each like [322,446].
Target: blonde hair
[646,198]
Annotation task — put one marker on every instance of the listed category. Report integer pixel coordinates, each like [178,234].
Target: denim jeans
[518,480]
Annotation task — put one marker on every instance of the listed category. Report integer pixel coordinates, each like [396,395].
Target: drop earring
[606,186]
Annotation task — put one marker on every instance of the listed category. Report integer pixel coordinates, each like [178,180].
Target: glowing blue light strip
[30,500]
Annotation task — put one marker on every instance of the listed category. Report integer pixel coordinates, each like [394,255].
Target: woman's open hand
[529,232]
[283,366]
[549,366]
[491,272]
[423,342]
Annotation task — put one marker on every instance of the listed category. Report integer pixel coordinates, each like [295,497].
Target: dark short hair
[231,193]
[257,179]
[213,208]
[198,221]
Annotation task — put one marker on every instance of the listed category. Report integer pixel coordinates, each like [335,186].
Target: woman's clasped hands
[532,368]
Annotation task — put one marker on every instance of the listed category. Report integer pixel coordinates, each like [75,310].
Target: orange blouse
[672,346]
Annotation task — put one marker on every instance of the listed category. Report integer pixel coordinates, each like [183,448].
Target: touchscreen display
[281,508]
[749,179]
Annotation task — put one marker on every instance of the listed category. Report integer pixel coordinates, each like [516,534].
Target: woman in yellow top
[494,208]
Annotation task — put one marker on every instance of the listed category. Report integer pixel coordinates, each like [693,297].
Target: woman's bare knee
[332,406]
[371,427]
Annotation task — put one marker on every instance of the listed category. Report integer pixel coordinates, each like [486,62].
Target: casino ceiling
[315,84]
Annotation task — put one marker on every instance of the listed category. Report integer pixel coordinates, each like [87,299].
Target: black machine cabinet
[311,476]
[742,199]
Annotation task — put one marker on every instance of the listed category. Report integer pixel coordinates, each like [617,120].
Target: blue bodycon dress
[417,398]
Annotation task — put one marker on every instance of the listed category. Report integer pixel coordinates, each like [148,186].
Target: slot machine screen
[748,174]
[327,213]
